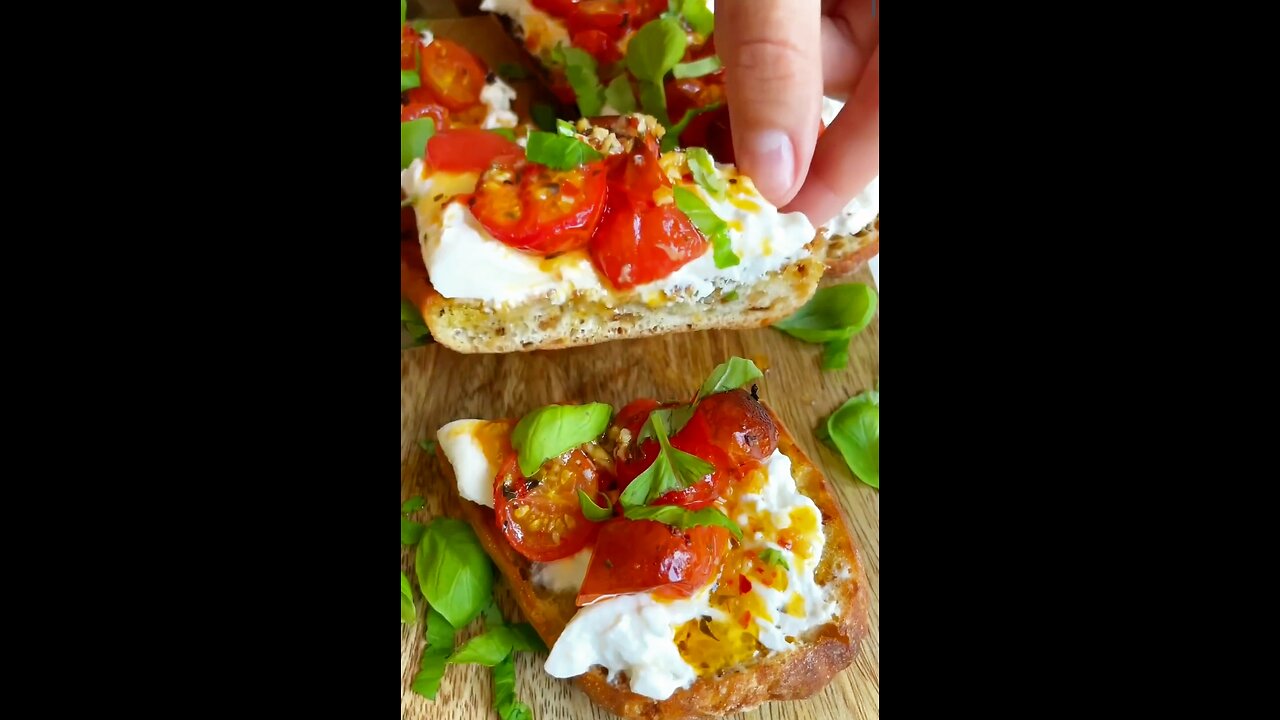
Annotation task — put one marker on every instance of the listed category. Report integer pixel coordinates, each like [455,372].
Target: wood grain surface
[438,386]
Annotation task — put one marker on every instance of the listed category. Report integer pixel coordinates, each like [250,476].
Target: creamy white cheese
[531,23]
[497,97]
[470,465]
[564,575]
[427,37]
[635,634]
[866,206]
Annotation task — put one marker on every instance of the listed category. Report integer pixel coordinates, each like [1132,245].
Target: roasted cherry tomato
[599,44]
[469,149]
[633,556]
[558,8]
[737,424]
[537,209]
[452,74]
[641,174]
[608,16]
[692,439]
[634,245]
[541,515]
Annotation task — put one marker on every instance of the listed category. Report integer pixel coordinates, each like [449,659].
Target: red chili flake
[784,542]
[744,585]
[746,619]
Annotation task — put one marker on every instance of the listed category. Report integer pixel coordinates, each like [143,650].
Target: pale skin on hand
[781,57]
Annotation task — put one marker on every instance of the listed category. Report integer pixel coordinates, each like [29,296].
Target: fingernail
[774,169]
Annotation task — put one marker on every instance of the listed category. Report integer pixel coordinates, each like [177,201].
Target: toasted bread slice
[469,326]
[790,675]
[847,253]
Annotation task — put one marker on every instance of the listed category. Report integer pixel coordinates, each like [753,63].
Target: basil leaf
[410,531]
[618,95]
[697,68]
[565,128]
[495,644]
[704,171]
[699,17]
[403,8]
[413,504]
[671,470]
[672,138]
[428,446]
[544,116]
[555,429]
[412,322]
[835,354]
[833,313]
[409,79]
[440,635]
[559,152]
[413,139]
[420,24]
[716,230]
[730,375]
[580,70]
[408,611]
[591,510]
[653,99]
[454,573]
[730,296]
[512,71]
[773,556]
[492,615]
[504,692]
[855,431]
[507,133]
[677,516]
[655,49]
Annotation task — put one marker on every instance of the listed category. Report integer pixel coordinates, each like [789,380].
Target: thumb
[772,54]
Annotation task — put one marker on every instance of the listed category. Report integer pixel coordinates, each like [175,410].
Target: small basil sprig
[555,429]
[440,637]
[773,556]
[716,230]
[559,152]
[408,611]
[655,49]
[413,139]
[618,95]
[697,68]
[581,72]
[831,317]
[454,573]
[684,519]
[854,430]
[694,12]
[671,470]
[496,644]
[592,511]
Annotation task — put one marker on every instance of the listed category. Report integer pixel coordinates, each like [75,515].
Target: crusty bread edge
[792,675]
[846,254]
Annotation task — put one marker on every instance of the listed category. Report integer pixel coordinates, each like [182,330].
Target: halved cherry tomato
[598,44]
[469,149]
[452,73]
[692,438]
[635,246]
[737,425]
[641,174]
[541,515]
[537,209]
[633,556]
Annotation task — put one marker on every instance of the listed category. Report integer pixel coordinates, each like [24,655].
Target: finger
[771,50]
[850,33]
[848,155]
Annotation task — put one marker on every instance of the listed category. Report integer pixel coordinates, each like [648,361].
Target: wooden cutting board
[437,386]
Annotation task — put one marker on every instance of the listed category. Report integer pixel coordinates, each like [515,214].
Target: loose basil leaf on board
[555,429]
[454,573]
[408,611]
[855,431]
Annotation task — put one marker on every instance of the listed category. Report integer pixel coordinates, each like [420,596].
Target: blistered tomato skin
[739,425]
[539,210]
[644,556]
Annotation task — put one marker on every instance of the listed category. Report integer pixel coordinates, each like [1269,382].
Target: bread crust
[847,253]
[790,675]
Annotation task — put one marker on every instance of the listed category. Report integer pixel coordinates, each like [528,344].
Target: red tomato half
[452,73]
[469,149]
[537,209]
[635,246]
[633,556]
[541,515]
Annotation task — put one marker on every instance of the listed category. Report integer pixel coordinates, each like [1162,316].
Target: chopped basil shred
[671,470]
[773,556]
[409,79]
[565,128]
[704,171]
[677,516]
[697,68]
[413,139]
[716,230]
[559,152]
[592,511]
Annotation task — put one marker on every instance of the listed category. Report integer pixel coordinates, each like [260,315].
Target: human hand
[780,57]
